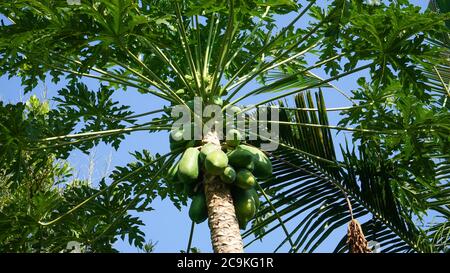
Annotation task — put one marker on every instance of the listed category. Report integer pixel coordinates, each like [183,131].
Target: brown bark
[223,224]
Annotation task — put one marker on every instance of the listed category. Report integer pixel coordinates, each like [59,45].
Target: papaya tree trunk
[223,224]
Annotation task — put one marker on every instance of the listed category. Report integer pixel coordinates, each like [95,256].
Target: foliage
[36,187]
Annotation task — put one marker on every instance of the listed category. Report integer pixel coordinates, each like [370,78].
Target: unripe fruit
[216,162]
[229,175]
[198,211]
[245,179]
[188,170]
[206,149]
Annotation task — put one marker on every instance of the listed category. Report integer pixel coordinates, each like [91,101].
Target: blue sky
[166,225]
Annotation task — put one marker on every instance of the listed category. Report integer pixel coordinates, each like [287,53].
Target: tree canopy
[395,171]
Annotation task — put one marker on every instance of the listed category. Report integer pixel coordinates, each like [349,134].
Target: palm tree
[178,50]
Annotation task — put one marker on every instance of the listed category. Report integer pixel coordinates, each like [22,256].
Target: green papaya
[176,139]
[242,223]
[245,179]
[189,188]
[263,165]
[229,149]
[240,158]
[206,149]
[228,176]
[255,196]
[176,135]
[245,207]
[188,170]
[250,166]
[233,138]
[198,211]
[216,162]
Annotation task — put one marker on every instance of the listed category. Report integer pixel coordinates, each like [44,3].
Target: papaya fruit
[263,165]
[228,149]
[228,175]
[206,149]
[216,162]
[240,158]
[233,138]
[238,192]
[245,179]
[250,166]
[242,223]
[255,196]
[188,188]
[188,169]
[245,207]
[198,211]
[176,135]
[176,140]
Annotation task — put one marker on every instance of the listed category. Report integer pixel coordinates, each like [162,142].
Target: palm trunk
[223,224]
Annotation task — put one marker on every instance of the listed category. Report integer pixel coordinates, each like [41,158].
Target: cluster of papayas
[246,165]
[236,164]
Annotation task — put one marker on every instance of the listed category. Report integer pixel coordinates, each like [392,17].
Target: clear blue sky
[166,225]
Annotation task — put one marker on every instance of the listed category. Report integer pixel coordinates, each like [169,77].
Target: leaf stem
[277,215]
[191,235]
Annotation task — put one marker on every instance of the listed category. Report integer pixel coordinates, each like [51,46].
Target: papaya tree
[194,54]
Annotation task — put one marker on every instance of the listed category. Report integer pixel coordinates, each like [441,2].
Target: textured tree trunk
[223,224]
[224,227]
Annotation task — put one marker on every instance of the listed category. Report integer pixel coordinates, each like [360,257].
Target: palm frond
[312,195]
